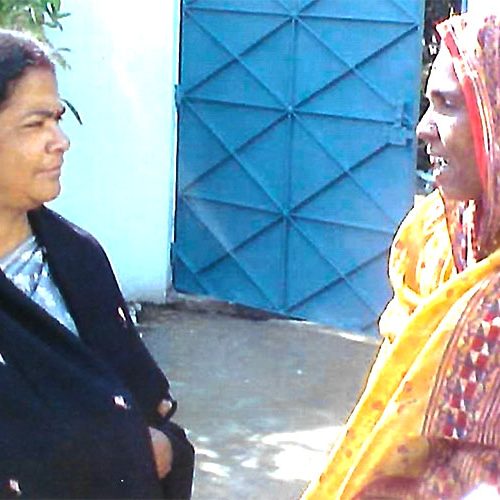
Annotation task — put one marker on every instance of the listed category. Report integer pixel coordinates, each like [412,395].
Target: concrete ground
[262,399]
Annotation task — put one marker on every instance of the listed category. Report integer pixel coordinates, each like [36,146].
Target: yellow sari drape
[383,436]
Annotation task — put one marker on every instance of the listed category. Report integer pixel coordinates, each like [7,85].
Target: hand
[162,451]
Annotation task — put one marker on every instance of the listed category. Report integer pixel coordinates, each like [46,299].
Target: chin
[458,182]
[49,194]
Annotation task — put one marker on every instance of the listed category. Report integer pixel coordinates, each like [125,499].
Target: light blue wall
[118,179]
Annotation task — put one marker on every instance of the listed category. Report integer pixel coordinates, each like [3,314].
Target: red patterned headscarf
[473,41]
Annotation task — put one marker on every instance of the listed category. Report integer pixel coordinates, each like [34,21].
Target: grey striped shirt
[28,270]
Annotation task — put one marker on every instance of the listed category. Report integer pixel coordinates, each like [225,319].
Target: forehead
[37,87]
[443,76]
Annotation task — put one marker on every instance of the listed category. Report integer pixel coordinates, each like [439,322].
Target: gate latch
[402,132]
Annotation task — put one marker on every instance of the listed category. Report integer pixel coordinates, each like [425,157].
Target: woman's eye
[34,124]
[445,104]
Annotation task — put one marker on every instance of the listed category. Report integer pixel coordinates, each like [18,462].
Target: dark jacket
[74,413]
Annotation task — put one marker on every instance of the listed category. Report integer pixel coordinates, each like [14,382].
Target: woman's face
[446,129]
[32,144]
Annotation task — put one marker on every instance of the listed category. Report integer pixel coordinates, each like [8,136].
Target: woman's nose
[59,142]
[426,128]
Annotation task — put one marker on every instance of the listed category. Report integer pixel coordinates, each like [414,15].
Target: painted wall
[118,180]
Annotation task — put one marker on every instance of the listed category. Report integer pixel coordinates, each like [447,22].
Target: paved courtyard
[262,398]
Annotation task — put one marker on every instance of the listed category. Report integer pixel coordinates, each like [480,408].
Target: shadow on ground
[263,400]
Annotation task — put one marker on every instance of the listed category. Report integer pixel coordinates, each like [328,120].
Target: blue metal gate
[296,152]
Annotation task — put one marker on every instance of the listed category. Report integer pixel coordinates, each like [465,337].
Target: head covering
[473,41]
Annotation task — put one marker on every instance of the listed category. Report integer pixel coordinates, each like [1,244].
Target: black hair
[18,53]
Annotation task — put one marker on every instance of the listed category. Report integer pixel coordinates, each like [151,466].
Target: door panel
[296,154]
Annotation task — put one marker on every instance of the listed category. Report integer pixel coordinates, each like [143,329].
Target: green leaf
[73,110]
[53,24]
[35,16]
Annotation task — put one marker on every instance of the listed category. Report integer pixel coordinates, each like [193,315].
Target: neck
[14,229]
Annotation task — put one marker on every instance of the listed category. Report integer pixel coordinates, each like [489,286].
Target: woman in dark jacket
[84,410]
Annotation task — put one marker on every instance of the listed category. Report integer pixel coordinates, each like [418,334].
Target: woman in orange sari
[427,425]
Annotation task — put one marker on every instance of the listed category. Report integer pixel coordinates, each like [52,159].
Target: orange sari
[427,424]
[383,452]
